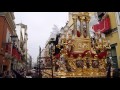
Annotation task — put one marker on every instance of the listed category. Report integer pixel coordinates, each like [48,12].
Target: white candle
[100,40]
[99,32]
[103,35]
[108,41]
[96,37]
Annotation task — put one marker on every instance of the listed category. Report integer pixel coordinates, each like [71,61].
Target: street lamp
[109,63]
[13,39]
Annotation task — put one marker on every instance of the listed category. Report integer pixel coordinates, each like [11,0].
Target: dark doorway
[4,68]
[114,57]
[11,66]
[113,54]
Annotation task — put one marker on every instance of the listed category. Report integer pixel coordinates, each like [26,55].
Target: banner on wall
[103,25]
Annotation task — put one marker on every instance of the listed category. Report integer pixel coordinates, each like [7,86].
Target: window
[114,56]
[113,51]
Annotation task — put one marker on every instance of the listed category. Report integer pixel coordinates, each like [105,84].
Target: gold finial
[74,17]
[86,13]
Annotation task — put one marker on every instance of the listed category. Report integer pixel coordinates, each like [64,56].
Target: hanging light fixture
[14,38]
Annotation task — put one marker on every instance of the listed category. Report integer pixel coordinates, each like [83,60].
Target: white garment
[28,77]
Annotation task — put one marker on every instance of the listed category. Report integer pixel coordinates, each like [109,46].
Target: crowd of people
[7,74]
[23,73]
[35,73]
[19,73]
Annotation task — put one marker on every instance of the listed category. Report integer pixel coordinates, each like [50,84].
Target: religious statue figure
[79,64]
[84,32]
[87,63]
[69,43]
[61,63]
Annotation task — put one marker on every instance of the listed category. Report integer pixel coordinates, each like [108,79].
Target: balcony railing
[13,51]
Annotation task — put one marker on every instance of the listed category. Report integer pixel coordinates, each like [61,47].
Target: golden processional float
[82,56]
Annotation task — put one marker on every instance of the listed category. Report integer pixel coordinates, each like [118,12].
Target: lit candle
[99,32]
[103,35]
[100,40]
[96,37]
[108,41]
[93,42]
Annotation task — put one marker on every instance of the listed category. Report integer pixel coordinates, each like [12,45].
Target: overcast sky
[40,25]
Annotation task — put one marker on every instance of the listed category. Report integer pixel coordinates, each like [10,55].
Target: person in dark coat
[109,71]
[17,74]
[1,75]
[109,65]
[116,73]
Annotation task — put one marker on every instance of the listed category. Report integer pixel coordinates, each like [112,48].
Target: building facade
[11,52]
[7,29]
[112,33]
[21,30]
[29,62]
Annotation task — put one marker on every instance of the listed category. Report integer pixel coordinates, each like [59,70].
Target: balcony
[8,51]
[1,52]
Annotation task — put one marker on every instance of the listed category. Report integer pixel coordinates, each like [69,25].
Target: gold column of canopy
[81,24]
[84,17]
[87,22]
[74,17]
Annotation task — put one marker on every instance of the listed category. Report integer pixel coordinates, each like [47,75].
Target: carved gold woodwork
[72,63]
[81,44]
